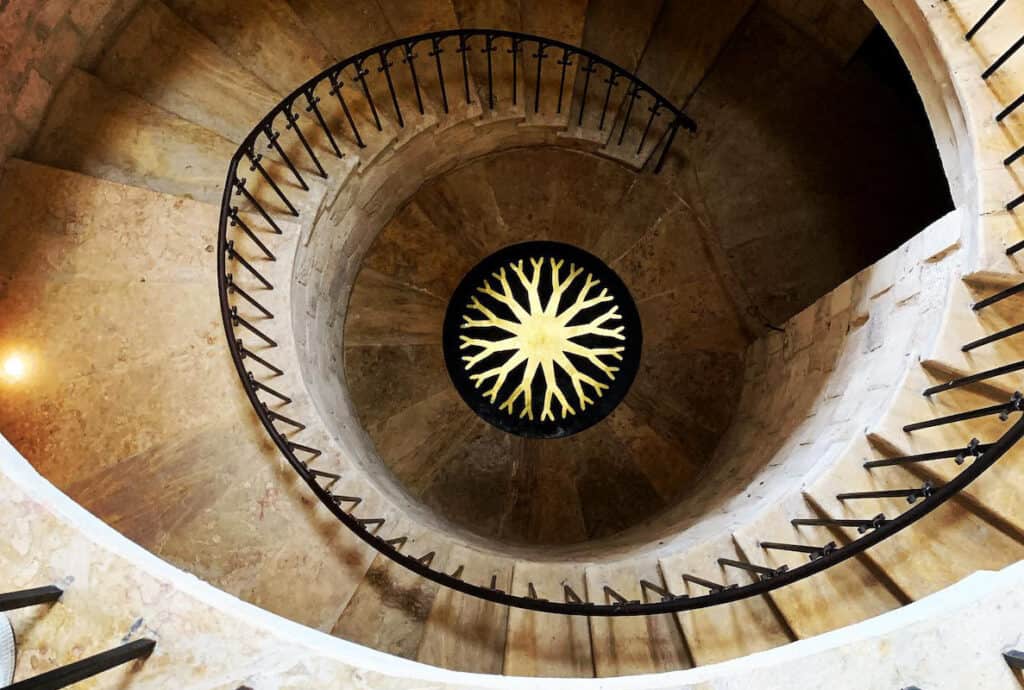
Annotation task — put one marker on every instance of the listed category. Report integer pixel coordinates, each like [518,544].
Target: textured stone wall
[39,43]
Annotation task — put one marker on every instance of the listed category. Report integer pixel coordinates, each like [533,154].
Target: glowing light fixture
[15,367]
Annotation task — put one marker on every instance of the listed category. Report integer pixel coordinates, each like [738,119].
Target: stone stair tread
[161,59]
[730,630]
[630,645]
[389,609]
[98,130]
[463,633]
[946,546]
[547,644]
[266,37]
[842,595]
[994,489]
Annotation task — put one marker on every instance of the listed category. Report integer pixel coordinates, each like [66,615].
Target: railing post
[88,667]
[1014,659]
[10,601]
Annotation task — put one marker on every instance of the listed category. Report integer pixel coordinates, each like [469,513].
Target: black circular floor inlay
[542,339]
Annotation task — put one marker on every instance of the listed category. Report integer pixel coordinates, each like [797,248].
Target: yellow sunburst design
[541,337]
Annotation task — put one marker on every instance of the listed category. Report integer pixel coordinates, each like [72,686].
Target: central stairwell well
[814,493]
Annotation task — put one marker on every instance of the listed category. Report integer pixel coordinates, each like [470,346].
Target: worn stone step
[160,58]
[730,630]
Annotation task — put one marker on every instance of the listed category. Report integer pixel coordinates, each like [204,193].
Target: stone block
[32,100]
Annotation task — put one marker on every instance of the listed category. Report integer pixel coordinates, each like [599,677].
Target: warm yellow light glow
[15,367]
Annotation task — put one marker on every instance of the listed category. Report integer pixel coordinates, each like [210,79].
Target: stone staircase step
[995,489]
[546,644]
[730,630]
[98,130]
[946,546]
[464,633]
[389,610]
[842,595]
[265,36]
[161,59]
[631,645]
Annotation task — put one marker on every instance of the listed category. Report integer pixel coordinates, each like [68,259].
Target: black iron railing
[998,63]
[374,83]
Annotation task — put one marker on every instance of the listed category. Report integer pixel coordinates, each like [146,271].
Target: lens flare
[15,367]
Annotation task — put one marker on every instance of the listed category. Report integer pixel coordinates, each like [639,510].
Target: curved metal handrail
[923,499]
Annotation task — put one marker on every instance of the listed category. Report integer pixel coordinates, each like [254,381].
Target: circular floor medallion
[542,339]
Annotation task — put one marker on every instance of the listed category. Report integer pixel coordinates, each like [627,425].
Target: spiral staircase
[813,467]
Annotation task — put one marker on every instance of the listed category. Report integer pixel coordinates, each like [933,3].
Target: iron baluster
[815,552]
[361,73]
[912,495]
[9,601]
[565,62]
[1014,248]
[396,543]
[662,592]
[292,118]
[435,53]
[975,378]
[1008,110]
[234,255]
[515,70]
[245,352]
[999,335]
[612,81]
[354,500]
[973,449]
[273,143]
[464,48]
[672,129]
[235,220]
[589,69]
[232,287]
[237,321]
[410,59]
[385,67]
[539,55]
[281,418]
[1001,60]
[87,668]
[315,453]
[713,586]
[1012,205]
[984,18]
[1015,404]
[861,525]
[371,522]
[267,389]
[616,597]
[313,106]
[998,297]
[1009,160]
[256,166]
[241,190]
[336,87]
[632,95]
[655,111]
[489,49]
[763,572]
